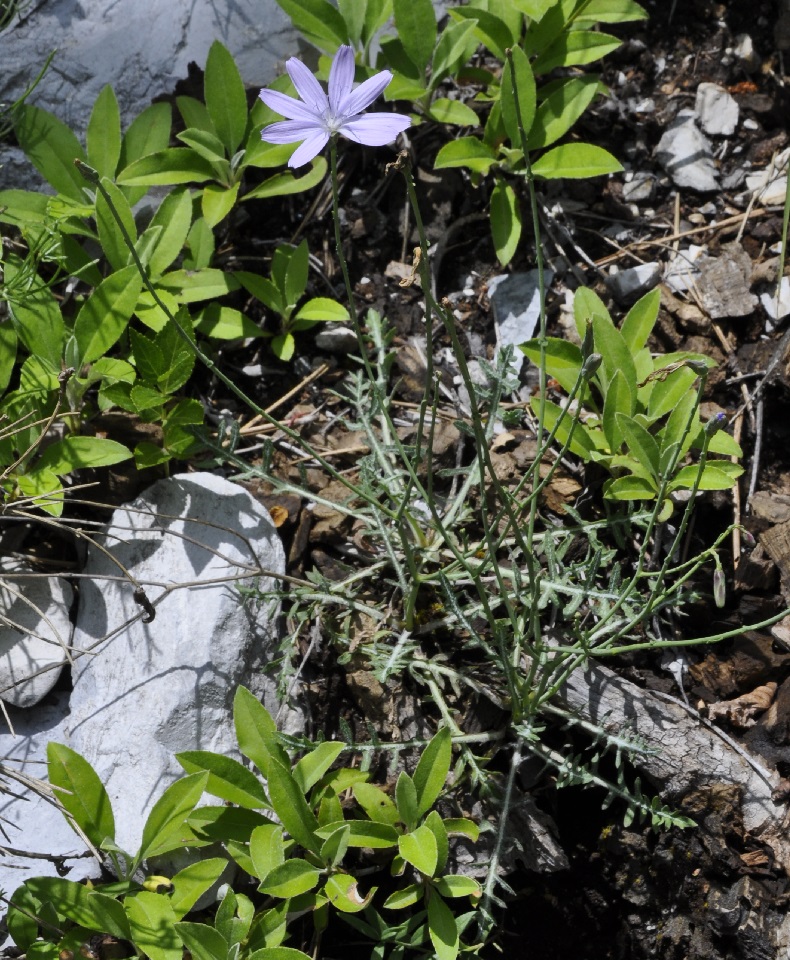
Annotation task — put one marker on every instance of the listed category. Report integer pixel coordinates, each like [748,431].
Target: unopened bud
[719,588]
[591,365]
[715,424]
[698,366]
[747,537]
[588,343]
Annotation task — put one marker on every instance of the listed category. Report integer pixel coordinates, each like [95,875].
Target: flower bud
[588,343]
[698,366]
[591,365]
[715,424]
[719,588]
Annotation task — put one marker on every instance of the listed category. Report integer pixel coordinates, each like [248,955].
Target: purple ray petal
[287,106]
[312,146]
[290,131]
[361,98]
[308,88]
[341,77]
[375,129]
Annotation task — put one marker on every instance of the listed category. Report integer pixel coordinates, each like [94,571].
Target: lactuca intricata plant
[316,117]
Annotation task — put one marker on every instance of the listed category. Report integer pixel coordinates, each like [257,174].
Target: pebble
[716,109]
[641,187]
[337,339]
[686,155]
[627,286]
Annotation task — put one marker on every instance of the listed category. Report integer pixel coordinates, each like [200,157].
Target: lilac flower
[315,117]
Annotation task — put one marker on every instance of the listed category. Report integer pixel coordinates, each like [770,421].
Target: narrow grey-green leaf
[415,22]
[104,134]
[52,149]
[527,98]
[225,97]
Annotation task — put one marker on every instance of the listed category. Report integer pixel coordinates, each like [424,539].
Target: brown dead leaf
[278,514]
[742,712]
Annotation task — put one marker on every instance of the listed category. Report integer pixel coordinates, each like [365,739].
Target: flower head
[315,117]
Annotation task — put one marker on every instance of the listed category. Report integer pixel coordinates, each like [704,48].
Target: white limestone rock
[717,110]
[686,154]
[627,286]
[516,302]
[34,634]
[155,689]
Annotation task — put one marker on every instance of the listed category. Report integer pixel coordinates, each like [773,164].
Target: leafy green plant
[288,831]
[284,292]
[637,416]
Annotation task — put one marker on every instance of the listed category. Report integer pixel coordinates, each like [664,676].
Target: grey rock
[777,310]
[724,283]
[337,339]
[641,187]
[155,689]
[33,825]
[686,154]
[627,286]
[716,109]
[35,633]
[516,302]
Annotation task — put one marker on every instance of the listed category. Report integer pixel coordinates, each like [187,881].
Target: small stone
[749,124]
[745,52]
[34,635]
[516,303]
[782,309]
[641,187]
[629,285]
[686,154]
[716,109]
[337,339]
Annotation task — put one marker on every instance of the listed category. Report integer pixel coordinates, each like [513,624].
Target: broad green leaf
[335,847]
[629,488]
[104,134]
[406,799]
[315,764]
[563,360]
[341,891]
[640,320]
[262,289]
[43,487]
[148,358]
[581,443]
[167,167]
[192,286]
[610,11]
[21,917]
[377,12]
[225,97]
[454,112]
[202,941]
[74,901]
[200,242]
[278,953]
[442,929]
[227,778]
[174,216]
[225,323]
[148,133]
[293,280]
[225,823]
[152,920]
[21,208]
[191,883]
[489,29]
[561,109]
[267,849]
[717,475]
[617,358]
[575,161]
[208,146]
[641,443]
[376,803]
[256,732]
[320,310]
[290,806]
[160,833]
[52,148]
[419,849]
[76,453]
[406,897]
[111,237]
[459,886]
[195,115]
[37,321]
[465,152]
[680,427]
[290,879]
[436,825]
[318,20]
[217,202]
[505,221]
[455,46]
[432,770]
[105,314]
[283,346]
[619,399]
[353,13]
[461,827]
[669,391]
[575,48]
[81,793]
[525,92]
[283,184]
[363,833]
[179,358]
[724,444]
[234,917]
[415,22]
[8,349]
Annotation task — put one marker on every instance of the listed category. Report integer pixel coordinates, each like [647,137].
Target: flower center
[332,123]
